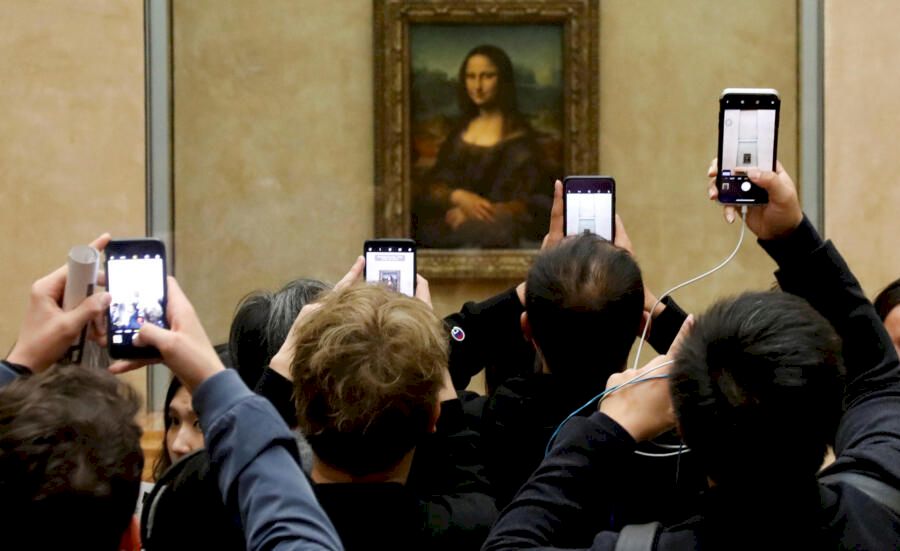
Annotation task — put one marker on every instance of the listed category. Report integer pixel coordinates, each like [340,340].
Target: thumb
[90,308]
[152,335]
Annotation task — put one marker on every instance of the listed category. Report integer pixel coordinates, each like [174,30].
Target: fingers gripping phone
[748,138]
[589,204]
[136,281]
[392,262]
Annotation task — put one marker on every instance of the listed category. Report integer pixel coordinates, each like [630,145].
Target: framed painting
[480,107]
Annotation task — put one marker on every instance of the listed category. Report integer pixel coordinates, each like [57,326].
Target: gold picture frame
[577,22]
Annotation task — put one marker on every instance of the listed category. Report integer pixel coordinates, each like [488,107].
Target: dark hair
[888,299]
[367,370]
[70,458]
[262,322]
[185,511]
[757,388]
[163,461]
[506,86]
[584,301]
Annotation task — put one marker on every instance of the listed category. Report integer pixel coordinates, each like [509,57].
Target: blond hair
[367,369]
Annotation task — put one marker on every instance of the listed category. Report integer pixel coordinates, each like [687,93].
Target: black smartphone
[589,204]
[392,262]
[136,281]
[748,138]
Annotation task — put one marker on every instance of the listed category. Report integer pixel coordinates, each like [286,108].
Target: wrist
[20,359]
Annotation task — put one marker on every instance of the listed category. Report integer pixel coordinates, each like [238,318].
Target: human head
[757,387]
[583,303]
[262,322]
[70,459]
[185,511]
[887,304]
[182,428]
[504,97]
[367,369]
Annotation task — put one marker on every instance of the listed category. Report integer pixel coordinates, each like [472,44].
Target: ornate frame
[580,21]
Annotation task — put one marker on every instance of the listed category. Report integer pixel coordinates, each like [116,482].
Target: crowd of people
[336,417]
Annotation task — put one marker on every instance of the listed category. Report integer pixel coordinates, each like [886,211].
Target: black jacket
[567,500]
[447,487]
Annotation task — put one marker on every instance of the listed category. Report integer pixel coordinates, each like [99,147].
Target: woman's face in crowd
[184,434]
[892,324]
[481,80]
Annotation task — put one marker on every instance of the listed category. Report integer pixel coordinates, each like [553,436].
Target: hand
[472,205]
[777,218]
[455,218]
[185,348]
[556,231]
[282,360]
[624,242]
[47,331]
[423,291]
[644,409]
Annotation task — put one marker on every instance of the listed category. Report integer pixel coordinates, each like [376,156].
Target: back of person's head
[70,459]
[888,299]
[262,322]
[584,302]
[757,388]
[367,370]
[185,511]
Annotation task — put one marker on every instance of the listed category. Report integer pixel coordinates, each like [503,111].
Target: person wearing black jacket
[755,390]
[395,465]
[581,307]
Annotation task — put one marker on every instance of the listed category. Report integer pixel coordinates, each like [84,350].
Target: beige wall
[274,161]
[71,136]
[862,136]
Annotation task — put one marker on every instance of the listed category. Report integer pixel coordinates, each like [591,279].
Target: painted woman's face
[184,434]
[481,80]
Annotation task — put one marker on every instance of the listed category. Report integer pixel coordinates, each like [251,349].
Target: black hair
[185,511]
[506,100]
[70,459]
[262,322]
[584,300]
[163,461]
[888,299]
[757,389]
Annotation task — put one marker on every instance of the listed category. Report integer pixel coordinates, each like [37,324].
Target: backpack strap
[638,537]
[885,494]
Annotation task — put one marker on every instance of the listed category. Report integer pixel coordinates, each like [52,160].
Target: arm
[278,390]
[491,336]
[563,504]
[868,436]
[254,454]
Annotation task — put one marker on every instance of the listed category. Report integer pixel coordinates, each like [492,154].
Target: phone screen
[392,264]
[749,128]
[136,284]
[590,206]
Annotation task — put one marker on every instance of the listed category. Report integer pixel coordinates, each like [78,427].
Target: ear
[526,327]
[435,415]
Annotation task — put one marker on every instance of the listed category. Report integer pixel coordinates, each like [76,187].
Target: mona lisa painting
[480,107]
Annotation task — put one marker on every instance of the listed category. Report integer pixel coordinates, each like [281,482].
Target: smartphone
[748,138]
[136,281]
[392,262]
[589,204]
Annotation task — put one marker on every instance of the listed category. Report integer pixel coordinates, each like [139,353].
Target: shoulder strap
[886,495]
[638,537]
